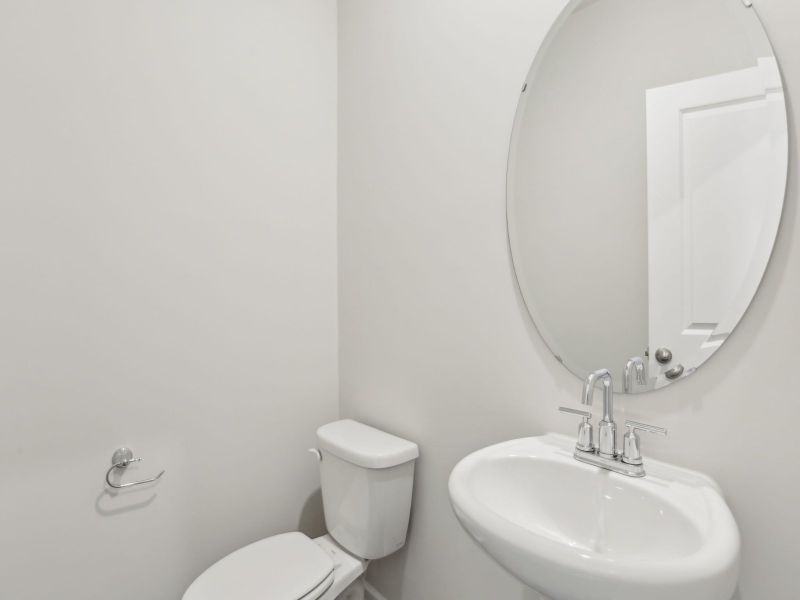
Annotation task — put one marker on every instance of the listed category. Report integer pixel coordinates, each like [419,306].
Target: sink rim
[719,535]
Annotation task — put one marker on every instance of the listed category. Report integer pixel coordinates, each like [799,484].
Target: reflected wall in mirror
[646,181]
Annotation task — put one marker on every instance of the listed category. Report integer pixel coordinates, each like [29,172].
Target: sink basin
[573,531]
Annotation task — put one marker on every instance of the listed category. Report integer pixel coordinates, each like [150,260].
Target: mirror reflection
[666,162]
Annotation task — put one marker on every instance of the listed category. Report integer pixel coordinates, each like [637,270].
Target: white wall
[435,342]
[168,264]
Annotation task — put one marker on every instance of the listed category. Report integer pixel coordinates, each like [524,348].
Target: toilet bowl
[366,476]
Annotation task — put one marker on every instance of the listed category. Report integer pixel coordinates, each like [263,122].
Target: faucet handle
[636,426]
[631,450]
[585,441]
[581,413]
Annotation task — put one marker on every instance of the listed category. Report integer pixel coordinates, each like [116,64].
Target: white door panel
[712,143]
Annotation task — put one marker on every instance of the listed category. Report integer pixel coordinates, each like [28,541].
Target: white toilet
[366,478]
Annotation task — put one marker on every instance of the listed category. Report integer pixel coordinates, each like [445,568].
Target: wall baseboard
[372,593]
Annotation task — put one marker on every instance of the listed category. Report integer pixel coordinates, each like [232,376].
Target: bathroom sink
[573,531]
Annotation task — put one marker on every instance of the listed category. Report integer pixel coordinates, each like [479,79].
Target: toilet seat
[289,566]
[318,591]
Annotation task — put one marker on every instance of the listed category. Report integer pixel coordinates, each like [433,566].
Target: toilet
[366,476]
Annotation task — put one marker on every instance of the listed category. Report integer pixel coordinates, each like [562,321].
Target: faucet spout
[604,376]
[607,446]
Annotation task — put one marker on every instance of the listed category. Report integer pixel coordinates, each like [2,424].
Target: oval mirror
[646,180]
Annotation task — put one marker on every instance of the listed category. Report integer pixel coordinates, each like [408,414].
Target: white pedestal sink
[577,532]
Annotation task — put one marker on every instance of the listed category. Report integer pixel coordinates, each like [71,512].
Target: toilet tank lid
[365,446]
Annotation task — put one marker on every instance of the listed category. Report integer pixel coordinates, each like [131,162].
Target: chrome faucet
[634,366]
[607,430]
[605,454]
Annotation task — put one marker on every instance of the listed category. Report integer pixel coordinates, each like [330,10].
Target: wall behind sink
[168,263]
[435,342]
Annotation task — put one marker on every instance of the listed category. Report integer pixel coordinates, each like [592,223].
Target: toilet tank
[366,477]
